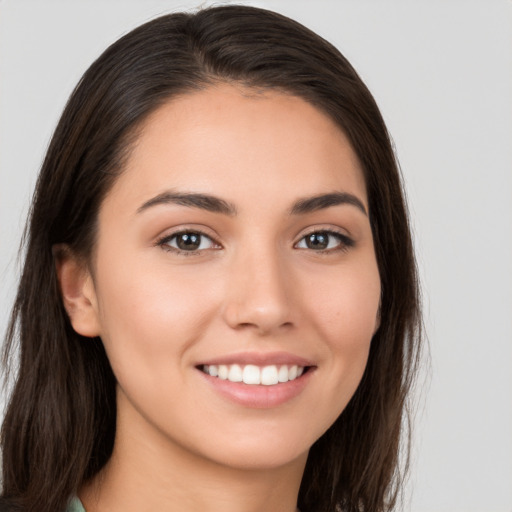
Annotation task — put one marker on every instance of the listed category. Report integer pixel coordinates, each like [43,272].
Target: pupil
[317,241]
[189,241]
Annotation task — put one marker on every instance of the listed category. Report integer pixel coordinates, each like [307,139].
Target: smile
[250,374]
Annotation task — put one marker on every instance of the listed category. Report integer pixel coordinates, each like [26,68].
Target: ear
[77,291]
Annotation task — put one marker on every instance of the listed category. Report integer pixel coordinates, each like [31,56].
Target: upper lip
[259,359]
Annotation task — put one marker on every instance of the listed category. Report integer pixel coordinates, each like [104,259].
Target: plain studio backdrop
[441,72]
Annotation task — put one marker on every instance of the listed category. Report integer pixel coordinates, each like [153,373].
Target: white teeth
[269,375]
[251,374]
[235,373]
[254,375]
[282,375]
[223,372]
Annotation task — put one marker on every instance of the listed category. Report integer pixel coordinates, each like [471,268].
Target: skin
[254,287]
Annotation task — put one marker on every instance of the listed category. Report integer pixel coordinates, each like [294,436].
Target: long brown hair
[60,423]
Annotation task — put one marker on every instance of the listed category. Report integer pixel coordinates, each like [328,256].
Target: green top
[75,505]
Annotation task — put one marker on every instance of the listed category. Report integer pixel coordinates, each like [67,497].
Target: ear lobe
[77,291]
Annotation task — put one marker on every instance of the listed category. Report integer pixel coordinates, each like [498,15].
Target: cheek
[152,314]
[346,315]
[346,308]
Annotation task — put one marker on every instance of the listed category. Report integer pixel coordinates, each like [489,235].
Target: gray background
[441,72]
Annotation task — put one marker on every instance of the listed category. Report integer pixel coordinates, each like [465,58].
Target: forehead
[239,143]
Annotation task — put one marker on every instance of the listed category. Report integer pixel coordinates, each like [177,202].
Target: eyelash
[345,242]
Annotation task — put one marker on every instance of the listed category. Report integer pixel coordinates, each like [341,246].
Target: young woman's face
[236,245]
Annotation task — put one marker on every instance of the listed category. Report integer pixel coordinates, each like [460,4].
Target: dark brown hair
[60,423]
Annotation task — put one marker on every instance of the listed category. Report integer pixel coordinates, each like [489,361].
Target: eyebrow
[322,201]
[216,205]
[193,200]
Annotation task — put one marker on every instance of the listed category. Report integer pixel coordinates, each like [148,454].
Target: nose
[259,294]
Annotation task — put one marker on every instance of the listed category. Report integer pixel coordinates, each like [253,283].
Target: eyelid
[188,228]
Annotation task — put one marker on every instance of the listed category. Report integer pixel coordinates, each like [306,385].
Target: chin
[249,451]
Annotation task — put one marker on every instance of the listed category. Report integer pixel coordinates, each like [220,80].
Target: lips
[258,380]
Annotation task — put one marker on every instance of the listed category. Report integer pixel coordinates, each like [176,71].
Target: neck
[147,472]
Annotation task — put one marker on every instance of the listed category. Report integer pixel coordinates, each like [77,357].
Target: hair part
[60,423]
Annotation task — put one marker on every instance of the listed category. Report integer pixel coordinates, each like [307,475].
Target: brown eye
[325,241]
[317,241]
[188,241]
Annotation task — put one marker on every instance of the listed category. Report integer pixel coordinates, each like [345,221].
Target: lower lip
[259,396]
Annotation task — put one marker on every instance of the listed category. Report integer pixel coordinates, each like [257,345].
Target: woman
[219,304]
